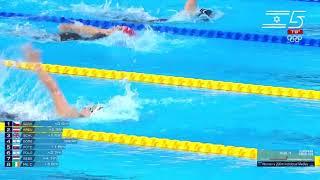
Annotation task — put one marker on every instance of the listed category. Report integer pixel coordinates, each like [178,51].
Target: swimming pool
[219,117]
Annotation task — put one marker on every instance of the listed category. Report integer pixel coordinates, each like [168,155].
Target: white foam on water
[181,16]
[119,108]
[134,14]
[3,72]
[166,101]
[187,17]
[145,41]
[24,95]
[26,30]
[29,29]
[126,107]
[36,103]
[96,10]
[29,104]
[21,94]
[46,4]
[107,12]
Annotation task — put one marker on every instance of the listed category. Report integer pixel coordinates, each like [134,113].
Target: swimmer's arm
[83,29]
[190,6]
[61,104]
[62,107]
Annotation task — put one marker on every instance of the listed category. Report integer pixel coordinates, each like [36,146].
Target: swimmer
[63,108]
[84,32]
[69,32]
[192,9]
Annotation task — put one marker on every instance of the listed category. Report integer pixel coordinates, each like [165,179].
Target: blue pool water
[170,112]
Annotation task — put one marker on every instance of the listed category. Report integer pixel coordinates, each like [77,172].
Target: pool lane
[108,161]
[184,114]
[276,65]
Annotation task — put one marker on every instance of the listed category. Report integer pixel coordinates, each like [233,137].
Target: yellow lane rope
[188,146]
[317,161]
[176,145]
[172,80]
[1,127]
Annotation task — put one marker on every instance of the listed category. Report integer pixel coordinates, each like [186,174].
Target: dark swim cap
[207,12]
[127,30]
[94,108]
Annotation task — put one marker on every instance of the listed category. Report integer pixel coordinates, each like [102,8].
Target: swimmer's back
[69,36]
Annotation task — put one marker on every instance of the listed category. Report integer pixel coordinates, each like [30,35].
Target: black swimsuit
[69,36]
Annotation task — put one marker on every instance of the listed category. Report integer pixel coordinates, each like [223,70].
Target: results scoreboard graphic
[284,158]
[34,143]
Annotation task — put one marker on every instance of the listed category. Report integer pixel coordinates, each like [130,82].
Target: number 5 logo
[300,18]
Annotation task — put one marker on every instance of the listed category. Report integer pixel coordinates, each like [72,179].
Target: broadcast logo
[294,27]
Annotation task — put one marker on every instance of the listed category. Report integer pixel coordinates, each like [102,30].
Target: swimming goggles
[207,12]
[94,108]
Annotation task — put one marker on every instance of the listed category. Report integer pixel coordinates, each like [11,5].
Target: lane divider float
[243,36]
[171,80]
[152,142]
[161,143]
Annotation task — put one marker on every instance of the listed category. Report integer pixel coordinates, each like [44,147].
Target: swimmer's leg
[190,6]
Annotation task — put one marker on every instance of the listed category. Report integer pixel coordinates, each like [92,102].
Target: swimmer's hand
[31,55]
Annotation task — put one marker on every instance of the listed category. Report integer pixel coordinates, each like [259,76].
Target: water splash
[106,12]
[127,107]
[145,41]
[166,101]
[187,17]
[21,94]
[25,96]
[96,10]
[118,108]
[28,31]
[3,72]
